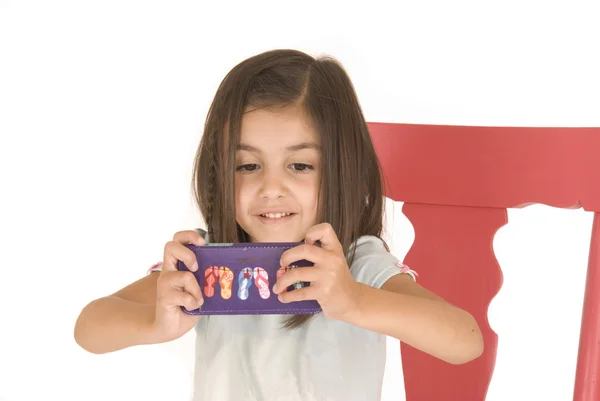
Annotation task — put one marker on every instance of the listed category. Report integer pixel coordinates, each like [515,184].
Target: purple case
[238,279]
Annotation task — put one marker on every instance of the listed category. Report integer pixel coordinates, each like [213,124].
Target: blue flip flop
[245,282]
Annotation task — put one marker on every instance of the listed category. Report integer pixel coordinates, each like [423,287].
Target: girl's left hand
[331,283]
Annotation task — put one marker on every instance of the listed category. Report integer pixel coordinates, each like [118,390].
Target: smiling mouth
[275,215]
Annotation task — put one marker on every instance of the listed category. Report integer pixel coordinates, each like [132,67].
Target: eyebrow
[293,148]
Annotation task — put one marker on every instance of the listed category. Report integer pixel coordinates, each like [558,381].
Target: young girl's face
[277,175]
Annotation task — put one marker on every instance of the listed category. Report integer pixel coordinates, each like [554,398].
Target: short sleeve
[155,268]
[373,265]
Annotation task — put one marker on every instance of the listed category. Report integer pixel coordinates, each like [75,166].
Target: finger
[185,281]
[175,252]
[189,237]
[300,274]
[175,297]
[181,282]
[325,234]
[308,252]
[302,294]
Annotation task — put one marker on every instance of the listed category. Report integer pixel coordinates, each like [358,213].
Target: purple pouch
[238,279]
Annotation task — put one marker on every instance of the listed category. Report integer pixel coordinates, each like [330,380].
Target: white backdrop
[101,109]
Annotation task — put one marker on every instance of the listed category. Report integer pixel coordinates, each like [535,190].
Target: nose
[273,185]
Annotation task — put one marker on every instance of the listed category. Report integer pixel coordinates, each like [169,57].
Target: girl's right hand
[175,289]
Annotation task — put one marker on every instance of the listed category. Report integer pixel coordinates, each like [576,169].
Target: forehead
[279,128]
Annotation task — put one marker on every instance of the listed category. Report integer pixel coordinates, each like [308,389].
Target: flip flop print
[244,282]
[261,279]
[211,276]
[226,281]
[280,272]
[297,285]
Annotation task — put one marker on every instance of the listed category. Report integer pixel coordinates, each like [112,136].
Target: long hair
[351,192]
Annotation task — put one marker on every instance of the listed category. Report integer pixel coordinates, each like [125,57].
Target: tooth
[275,215]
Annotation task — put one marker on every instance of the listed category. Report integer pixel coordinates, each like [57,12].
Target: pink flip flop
[261,279]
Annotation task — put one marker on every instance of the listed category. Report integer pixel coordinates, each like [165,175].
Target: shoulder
[373,264]
[369,242]
[368,248]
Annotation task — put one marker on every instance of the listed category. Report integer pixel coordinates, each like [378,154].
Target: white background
[101,110]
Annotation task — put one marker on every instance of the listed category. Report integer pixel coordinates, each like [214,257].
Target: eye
[246,168]
[301,167]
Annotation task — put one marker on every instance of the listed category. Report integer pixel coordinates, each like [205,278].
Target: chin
[275,237]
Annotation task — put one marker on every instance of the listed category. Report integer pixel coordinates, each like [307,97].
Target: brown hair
[351,194]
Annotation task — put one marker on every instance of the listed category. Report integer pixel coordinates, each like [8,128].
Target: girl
[286,156]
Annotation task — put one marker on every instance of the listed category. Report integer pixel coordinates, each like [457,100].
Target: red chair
[456,184]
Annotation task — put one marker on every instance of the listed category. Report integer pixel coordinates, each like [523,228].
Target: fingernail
[195,266]
[275,288]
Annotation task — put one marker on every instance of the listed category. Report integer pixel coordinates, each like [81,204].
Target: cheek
[244,194]
[310,198]
[239,196]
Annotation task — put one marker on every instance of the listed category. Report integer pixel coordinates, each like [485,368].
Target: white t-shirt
[251,358]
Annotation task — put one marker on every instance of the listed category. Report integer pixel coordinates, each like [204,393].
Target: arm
[401,308]
[404,310]
[147,311]
[120,320]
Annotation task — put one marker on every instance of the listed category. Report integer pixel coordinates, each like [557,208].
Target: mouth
[275,216]
[278,217]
